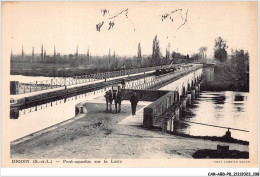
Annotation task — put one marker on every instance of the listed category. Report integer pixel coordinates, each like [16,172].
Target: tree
[114,56]
[220,47]
[178,56]
[11,57]
[115,61]
[167,55]
[139,54]
[42,52]
[32,54]
[44,55]
[240,60]
[109,58]
[202,52]
[54,54]
[195,57]
[156,55]
[88,56]
[71,57]
[22,54]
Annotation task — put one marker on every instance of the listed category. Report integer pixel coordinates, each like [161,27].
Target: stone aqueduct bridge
[166,91]
[171,99]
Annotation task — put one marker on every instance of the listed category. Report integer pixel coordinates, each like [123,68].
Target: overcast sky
[66,24]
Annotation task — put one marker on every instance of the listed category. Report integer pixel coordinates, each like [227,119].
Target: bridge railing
[160,80]
[28,87]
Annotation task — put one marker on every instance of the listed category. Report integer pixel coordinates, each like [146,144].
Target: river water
[25,79]
[227,109]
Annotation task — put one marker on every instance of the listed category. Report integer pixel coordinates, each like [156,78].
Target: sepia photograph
[129,84]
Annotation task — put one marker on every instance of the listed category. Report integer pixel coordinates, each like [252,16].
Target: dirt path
[98,135]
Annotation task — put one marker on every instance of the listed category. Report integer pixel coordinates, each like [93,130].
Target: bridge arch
[199,74]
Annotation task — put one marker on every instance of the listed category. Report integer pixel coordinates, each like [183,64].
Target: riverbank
[100,135]
[213,138]
[214,154]
[217,85]
[227,78]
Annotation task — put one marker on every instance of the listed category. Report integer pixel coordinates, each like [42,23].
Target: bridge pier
[183,103]
[177,113]
[170,125]
[199,87]
[196,91]
[188,98]
[192,94]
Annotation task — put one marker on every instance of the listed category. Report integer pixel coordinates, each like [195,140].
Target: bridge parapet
[158,108]
[165,79]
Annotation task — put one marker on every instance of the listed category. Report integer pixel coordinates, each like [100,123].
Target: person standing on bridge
[107,100]
[134,100]
[110,100]
[114,93]
[118,101]
[123,83]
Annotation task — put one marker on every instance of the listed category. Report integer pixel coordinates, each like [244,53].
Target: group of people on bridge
[116,97]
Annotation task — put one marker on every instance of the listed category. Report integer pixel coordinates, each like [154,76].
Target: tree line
[112,61]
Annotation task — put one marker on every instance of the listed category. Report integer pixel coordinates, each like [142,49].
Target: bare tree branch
[185,21]
[170,13]
[166,15]
[124,10]
[111,24]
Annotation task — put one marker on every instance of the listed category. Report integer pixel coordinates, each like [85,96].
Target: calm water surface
[227,109]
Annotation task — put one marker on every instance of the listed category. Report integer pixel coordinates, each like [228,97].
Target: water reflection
[227,109]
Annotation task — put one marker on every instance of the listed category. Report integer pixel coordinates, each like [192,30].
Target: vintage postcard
[129,84]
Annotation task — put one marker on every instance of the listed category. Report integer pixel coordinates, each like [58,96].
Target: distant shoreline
[222,86]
